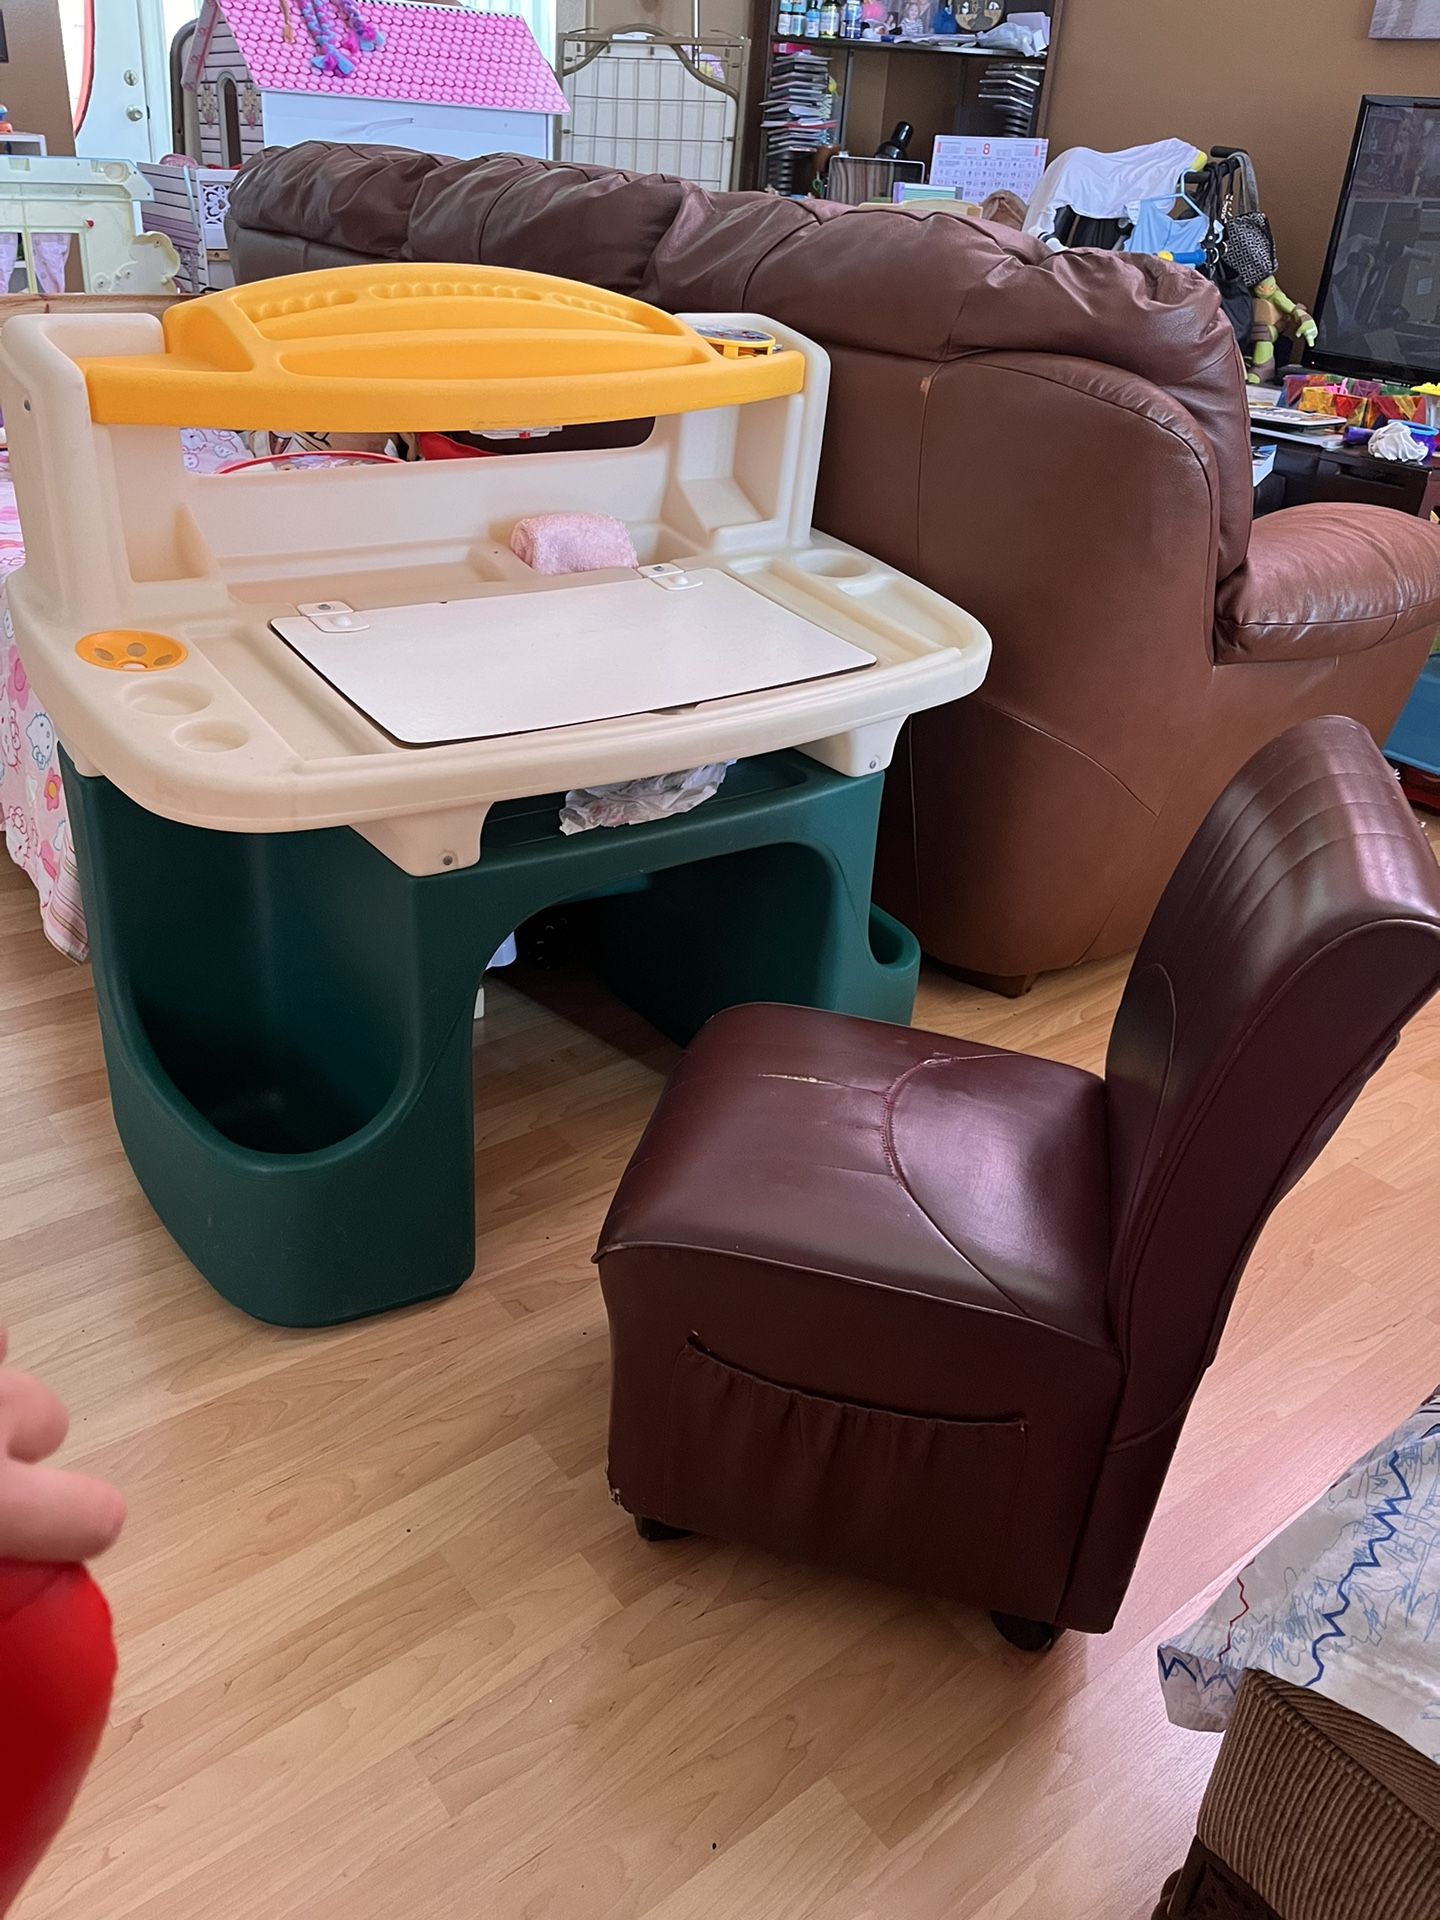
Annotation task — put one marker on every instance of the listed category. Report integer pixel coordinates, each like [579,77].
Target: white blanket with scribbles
[1346,1599]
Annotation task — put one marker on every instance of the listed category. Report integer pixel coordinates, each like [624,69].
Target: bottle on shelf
[850,20]
[812,21]
[829,21]
[901,134]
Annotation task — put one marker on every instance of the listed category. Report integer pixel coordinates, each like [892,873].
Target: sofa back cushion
[358,199]
[583,223]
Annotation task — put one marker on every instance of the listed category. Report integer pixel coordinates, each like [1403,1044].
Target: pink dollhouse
[267,73]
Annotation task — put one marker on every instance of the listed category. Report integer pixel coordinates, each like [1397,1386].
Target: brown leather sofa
[1059,443]
[934,1312]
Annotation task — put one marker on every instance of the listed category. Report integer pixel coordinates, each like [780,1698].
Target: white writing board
[524,662]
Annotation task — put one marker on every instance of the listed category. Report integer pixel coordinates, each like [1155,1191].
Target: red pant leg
[57,1668]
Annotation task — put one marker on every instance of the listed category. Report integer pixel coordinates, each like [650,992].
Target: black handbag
[1247,248]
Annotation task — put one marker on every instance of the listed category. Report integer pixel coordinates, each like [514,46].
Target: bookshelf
[937,88]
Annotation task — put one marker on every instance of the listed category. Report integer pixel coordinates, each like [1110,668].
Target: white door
[117,53]
[105,55]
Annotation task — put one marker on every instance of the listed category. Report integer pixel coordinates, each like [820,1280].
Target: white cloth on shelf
[1023,33]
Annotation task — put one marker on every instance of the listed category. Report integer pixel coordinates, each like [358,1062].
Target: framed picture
[1406,20]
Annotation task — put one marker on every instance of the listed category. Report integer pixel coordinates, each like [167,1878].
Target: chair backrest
[1300,931]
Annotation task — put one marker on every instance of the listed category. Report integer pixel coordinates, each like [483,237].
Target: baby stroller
[1208,216]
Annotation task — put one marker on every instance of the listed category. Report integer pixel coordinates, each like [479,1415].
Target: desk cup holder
[211,736]
[828,563]
[171,700]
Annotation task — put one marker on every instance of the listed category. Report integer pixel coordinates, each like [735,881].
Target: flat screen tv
[1379,304]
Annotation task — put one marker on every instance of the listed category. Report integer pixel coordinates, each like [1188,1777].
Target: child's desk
[289,909]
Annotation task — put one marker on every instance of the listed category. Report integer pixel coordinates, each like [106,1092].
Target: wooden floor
[389,1653]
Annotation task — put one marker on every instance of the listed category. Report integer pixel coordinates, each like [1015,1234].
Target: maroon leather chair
[935,1312]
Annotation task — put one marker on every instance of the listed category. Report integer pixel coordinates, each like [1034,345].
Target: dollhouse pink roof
[432,54]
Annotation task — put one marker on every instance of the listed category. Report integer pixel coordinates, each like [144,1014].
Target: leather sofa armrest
[1325,580]
[1073,509]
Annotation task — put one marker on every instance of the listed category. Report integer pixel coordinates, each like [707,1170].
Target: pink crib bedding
[32,797]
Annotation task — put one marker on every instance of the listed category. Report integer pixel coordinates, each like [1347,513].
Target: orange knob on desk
[126,650]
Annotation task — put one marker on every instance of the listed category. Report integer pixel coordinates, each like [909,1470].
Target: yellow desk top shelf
[236,731]
[391,348]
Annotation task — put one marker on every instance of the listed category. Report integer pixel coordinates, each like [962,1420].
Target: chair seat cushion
[855,1278]
[1323,580]
[883,1157]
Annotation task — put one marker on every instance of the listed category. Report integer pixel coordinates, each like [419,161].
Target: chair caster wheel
[659,1530]
[1030,1636]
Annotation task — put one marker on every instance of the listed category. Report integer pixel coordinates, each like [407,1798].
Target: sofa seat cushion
[1325,580]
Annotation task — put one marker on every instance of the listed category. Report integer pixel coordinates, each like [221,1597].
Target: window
[538,15]
[230,123]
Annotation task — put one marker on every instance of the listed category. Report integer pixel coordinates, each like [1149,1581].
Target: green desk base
[287,1017]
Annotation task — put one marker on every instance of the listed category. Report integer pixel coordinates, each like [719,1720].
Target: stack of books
[797,119]
[1011,90]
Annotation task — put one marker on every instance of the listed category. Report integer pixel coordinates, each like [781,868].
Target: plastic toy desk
[289,910]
